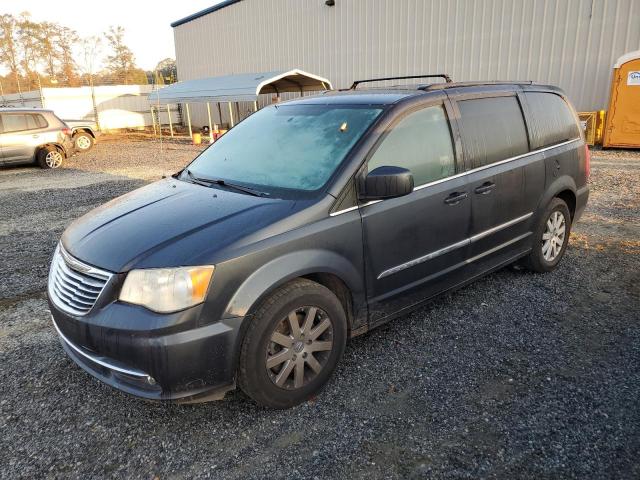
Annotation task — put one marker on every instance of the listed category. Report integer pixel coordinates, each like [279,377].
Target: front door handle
[485,188]
[455,198]
[35,136]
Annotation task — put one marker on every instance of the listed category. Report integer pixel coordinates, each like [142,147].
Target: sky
[147,24]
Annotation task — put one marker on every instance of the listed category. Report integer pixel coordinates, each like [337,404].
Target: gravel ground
[516,376]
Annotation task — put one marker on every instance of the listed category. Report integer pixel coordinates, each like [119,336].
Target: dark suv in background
[30,135]
[310,222]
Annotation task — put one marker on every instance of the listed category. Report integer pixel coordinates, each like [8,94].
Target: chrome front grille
[74,287]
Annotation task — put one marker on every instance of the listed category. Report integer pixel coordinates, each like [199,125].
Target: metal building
[569,43]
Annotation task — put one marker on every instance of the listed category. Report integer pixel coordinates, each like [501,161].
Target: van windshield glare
[286,146]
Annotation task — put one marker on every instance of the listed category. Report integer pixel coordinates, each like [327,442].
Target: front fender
[282,269]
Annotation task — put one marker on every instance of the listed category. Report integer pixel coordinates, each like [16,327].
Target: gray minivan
[30,135]
[310,222]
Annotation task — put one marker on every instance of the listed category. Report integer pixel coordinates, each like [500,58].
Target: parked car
[310,222]
[33,135]
[84,134]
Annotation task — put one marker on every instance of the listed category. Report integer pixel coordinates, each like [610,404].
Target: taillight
[587,159]
[66,131]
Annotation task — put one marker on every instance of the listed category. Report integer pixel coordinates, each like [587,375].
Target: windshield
[285,146]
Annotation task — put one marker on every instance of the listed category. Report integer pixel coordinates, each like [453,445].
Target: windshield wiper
[207,182]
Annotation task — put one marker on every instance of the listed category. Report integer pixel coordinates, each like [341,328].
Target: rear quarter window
[552,119]
[493,129]
[40,121]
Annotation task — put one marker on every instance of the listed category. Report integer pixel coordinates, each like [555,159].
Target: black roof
[204,12]
[386,96]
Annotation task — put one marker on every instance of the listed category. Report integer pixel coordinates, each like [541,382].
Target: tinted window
[14,122]
[493,129]
[32,122]
[40,121]
[553,120]
[420,142]
[286,146]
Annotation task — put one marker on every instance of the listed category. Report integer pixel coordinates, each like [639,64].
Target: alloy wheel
[299,347]
[53,159]
[83,143]
[553,236]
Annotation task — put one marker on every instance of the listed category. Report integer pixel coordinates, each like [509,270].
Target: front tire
[293,344]
[550,237]
[83,141]
[50,157]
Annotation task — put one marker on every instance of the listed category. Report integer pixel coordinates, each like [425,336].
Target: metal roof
[239,88]
[204,12]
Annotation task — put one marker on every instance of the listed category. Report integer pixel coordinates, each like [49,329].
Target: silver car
[29,135]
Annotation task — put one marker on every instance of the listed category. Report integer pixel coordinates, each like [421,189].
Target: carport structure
[245,87]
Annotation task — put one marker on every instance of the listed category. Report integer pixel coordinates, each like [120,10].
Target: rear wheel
[50,157]
[550,237]
[295,340]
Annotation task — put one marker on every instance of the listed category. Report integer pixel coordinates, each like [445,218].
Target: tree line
[48,54]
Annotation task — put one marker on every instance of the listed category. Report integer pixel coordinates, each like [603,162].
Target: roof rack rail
[439,86]
[446,78]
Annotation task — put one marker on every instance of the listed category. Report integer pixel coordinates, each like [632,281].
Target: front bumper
[169,360]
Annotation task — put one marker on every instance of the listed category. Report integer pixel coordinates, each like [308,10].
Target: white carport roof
[239,88]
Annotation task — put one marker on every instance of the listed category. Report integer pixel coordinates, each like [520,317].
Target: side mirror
[386,182]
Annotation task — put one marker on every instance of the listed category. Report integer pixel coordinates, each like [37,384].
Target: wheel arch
[78,130]
[564,188]
[57,146]
[569,197]
[324,267]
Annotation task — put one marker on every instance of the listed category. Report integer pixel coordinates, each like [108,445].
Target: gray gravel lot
[516,376]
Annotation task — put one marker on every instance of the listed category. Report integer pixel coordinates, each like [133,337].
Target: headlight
[167,290]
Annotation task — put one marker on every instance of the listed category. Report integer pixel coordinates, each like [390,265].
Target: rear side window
[553,121]
[14,122]
[493,129]
[421,143]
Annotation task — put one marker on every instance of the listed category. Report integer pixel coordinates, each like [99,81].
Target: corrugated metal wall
[570,43]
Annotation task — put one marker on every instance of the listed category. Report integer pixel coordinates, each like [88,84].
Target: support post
[189,122]
[170,122]
[255,106]
[153,121]
[230,115]
[210,125]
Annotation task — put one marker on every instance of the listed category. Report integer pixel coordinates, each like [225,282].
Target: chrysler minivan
[310,222]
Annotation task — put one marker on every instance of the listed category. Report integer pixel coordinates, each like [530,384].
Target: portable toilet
[622,127]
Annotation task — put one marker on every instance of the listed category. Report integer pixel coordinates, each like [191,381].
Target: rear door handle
[35,136]
[485,188]
[455,198]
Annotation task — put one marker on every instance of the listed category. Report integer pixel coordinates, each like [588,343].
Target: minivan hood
[169,223]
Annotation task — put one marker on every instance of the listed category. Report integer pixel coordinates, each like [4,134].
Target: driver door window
[420,142]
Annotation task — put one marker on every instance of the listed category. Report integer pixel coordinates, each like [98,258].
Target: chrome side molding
[453,246]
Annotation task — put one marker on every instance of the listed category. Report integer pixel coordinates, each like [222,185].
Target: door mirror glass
[386,182]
